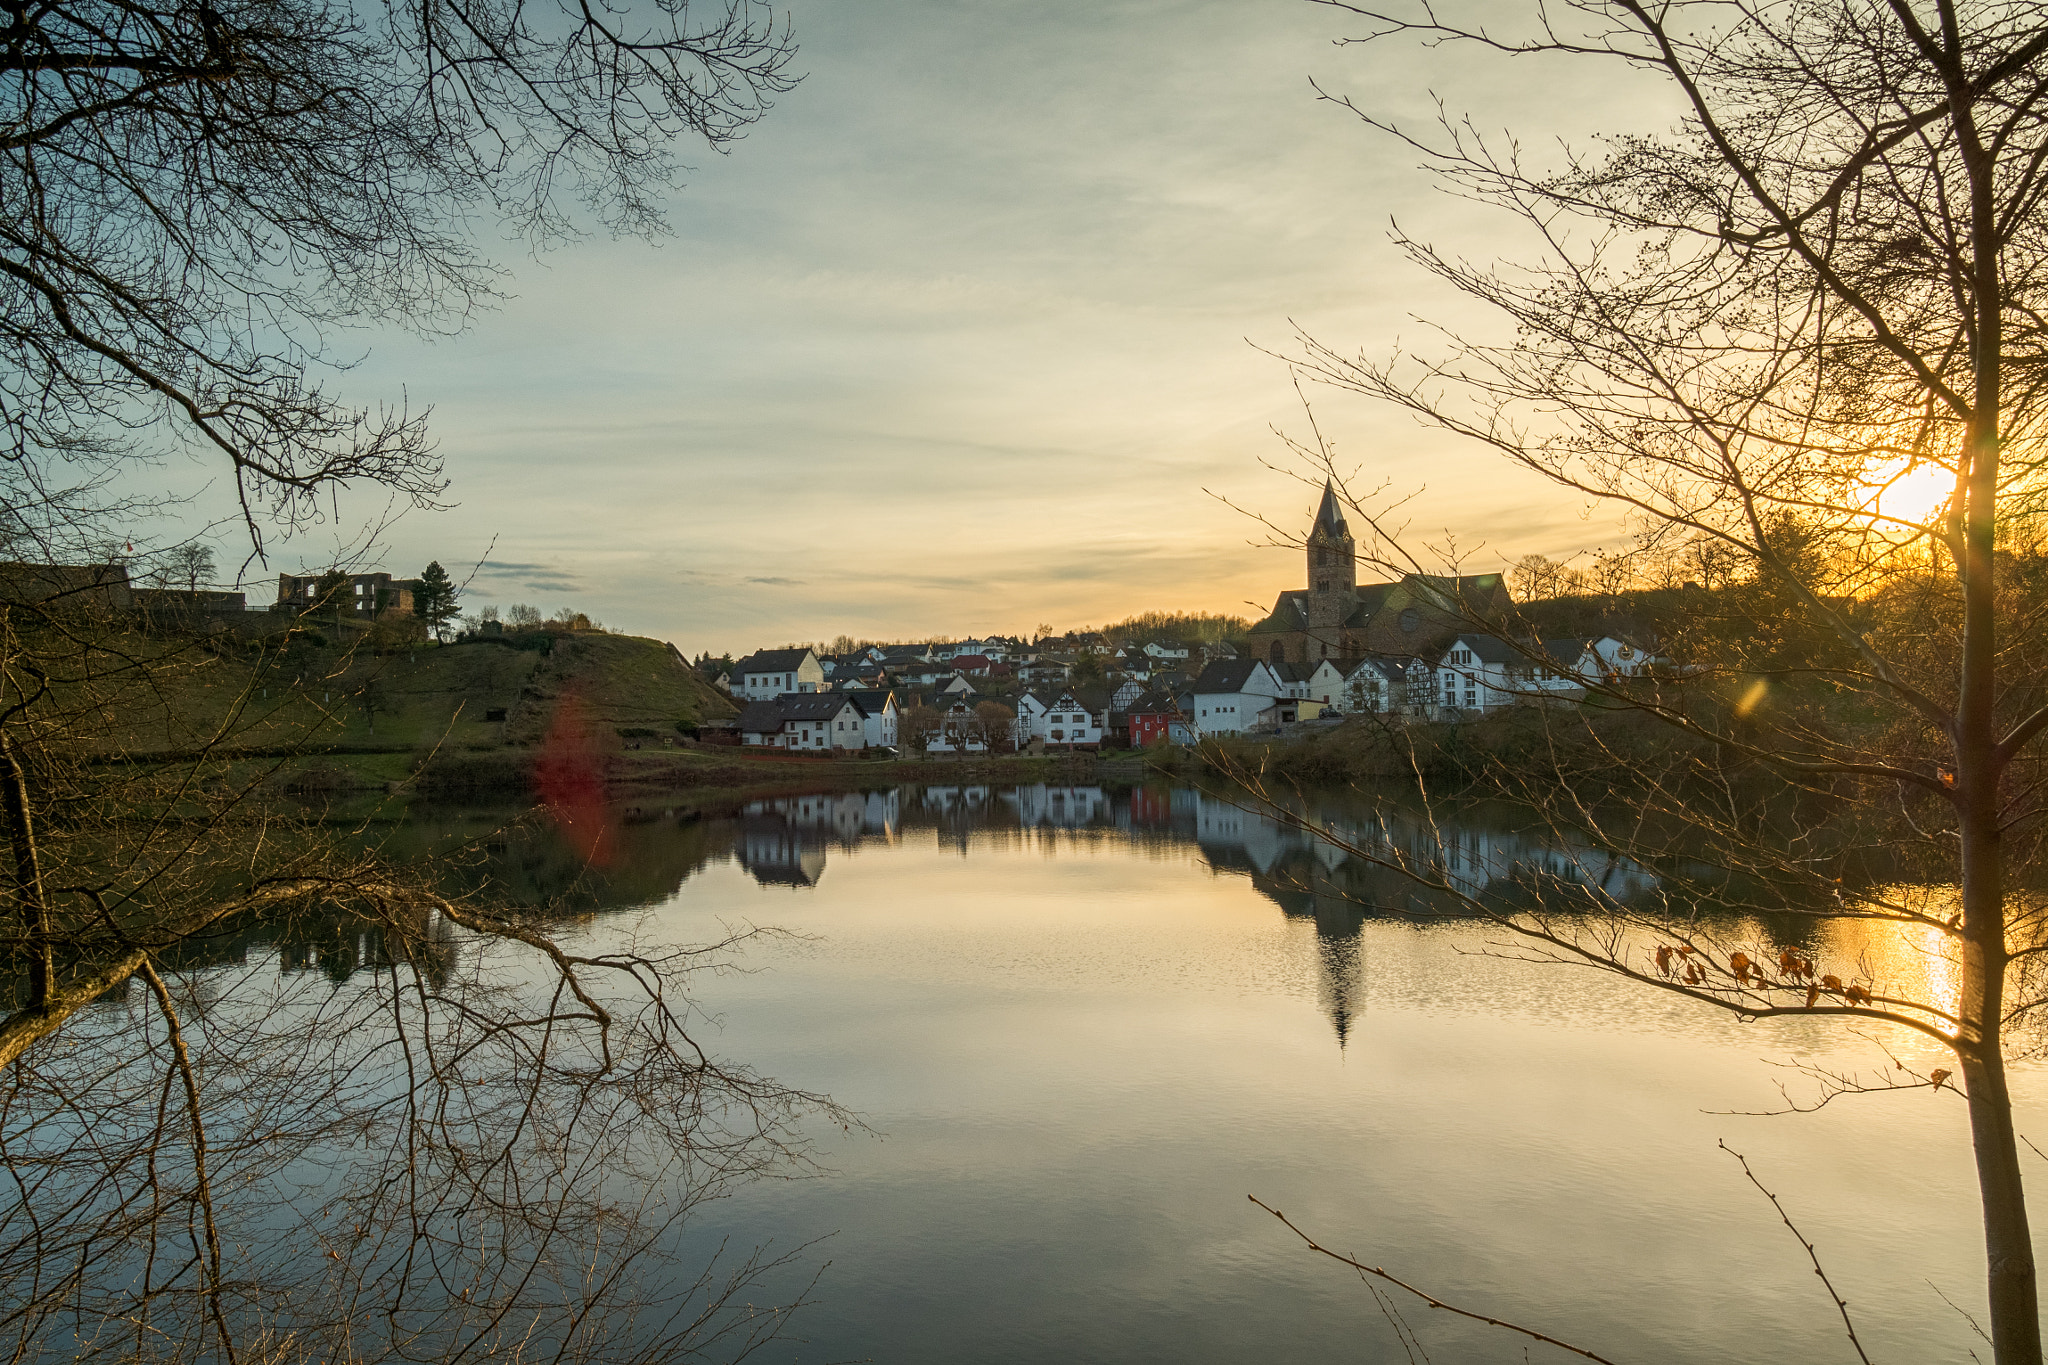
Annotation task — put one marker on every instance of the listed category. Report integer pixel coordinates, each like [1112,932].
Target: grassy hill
[387,715]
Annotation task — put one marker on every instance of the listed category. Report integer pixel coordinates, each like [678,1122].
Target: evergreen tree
[434,598]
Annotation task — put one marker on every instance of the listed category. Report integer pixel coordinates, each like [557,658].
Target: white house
[771,672]
[1231,696]
[813,721]
[1383,684]
[961,730]
[1166,651]
[1328,682]
[1031,707]
[1479,673]
[1613,658]
[878,716]
[1484,673]
[1063,721]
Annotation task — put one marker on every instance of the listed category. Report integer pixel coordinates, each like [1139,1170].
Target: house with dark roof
[1046,668]
[860,676]
[1232,696]
[1156,717]
[1484,673]
[1062,718]
[1335,617]
[814,722]
[771,672]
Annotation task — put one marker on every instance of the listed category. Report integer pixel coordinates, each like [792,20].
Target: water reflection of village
[1316,876]
[1333,870]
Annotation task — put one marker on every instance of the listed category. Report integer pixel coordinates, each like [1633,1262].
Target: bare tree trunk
[2008,1243]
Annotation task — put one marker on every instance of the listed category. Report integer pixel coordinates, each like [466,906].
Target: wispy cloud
[539,577]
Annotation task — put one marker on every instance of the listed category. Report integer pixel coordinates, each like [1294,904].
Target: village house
[1068,722]
[1483,673]
[860,676]
[1045,668]
[1608,658]
[1387,686]
[813,721]
[1327,682]
[1156,717]
[771,672]
[1230,698]
[960,730]
[1032,705]
[879,716]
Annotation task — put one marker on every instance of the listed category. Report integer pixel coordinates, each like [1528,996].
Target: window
[1410,619]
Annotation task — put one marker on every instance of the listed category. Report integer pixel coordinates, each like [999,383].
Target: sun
[1916,496]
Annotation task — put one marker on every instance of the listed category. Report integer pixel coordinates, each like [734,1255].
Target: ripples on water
[1086,1023]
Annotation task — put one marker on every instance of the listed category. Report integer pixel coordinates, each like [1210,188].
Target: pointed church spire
[1330,516]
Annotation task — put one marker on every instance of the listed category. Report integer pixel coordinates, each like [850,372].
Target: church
[1414,616]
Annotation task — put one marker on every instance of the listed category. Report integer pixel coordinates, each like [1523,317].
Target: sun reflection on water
[1911,962]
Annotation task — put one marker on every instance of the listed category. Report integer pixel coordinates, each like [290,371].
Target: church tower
[1332,565]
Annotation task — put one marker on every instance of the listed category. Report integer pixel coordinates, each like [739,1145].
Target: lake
[1084,1024]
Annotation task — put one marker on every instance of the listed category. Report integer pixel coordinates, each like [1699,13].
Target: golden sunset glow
[1915,495]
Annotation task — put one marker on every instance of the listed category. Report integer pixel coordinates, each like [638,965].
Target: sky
[974,332]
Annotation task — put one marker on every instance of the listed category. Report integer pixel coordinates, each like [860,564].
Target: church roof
[1290,611]
[1330,516]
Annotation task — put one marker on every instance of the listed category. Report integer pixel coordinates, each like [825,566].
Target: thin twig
[1430,1299]
[1841,1304]
[202,1184]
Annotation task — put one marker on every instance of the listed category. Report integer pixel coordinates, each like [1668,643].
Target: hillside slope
[472,696]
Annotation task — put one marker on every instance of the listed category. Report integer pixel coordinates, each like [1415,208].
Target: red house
[1152,717]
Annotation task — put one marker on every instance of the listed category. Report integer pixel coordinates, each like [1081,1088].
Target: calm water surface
[1086,1024]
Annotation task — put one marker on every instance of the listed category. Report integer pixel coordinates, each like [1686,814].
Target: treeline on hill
[1146,627]
[1187,627]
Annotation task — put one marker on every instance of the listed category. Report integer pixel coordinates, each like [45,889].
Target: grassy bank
[1595,750]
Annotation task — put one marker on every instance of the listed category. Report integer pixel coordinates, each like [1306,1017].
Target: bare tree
[196,195]
[1760,332]
[188,566]
[485,1144]
[1536,578]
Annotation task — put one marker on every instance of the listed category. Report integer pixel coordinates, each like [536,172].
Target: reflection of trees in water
[788,842]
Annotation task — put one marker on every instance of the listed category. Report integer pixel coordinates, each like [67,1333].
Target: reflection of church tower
[1340,963]
[1332,565]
